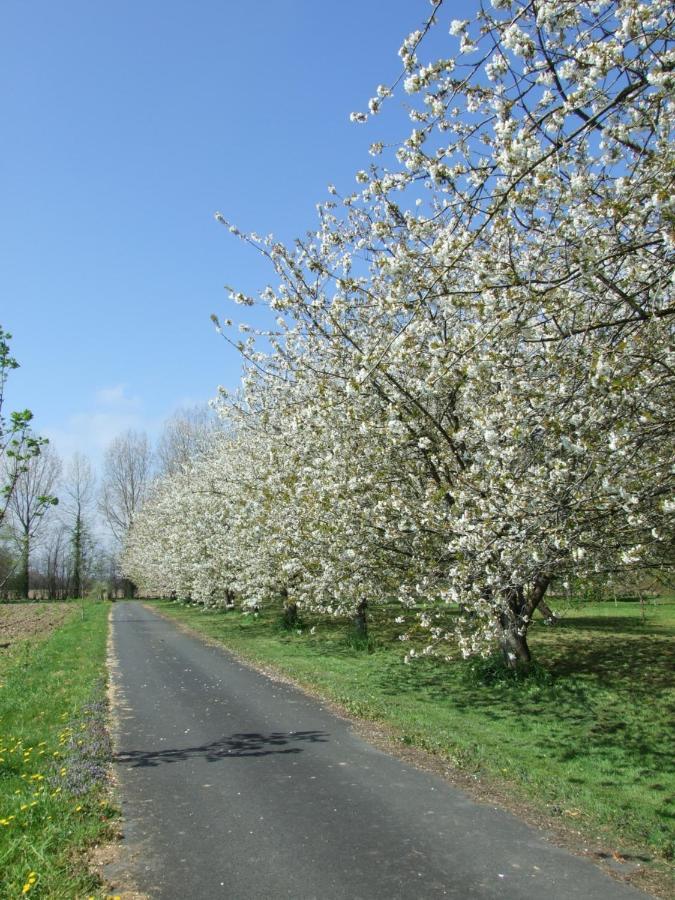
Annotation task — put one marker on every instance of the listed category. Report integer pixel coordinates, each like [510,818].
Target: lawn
[53,749]
[586,741]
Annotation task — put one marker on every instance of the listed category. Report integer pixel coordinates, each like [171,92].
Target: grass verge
[586,741]
[53,753]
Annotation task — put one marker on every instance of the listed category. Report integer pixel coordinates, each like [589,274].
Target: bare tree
[31,498]
[185,436]
[126,476]
[7,563]
[78,496]
[55,563]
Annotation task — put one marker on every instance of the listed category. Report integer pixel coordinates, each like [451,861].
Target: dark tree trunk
[77,557]
[24,568]
[361,619]
[515,622]
[514,647]
[289,616]
[547,613]
[129,589]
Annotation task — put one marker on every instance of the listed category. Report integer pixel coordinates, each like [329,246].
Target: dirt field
[21,621]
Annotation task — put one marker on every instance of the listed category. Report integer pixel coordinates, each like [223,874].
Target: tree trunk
[361,619]
[24,567]
[129,589]
[547,613]
[289,617]
[515,621]
[514,646]
[77,557]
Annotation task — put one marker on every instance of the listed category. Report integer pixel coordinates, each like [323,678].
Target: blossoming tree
[469,392]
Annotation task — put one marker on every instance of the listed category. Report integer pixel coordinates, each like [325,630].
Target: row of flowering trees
[468,392]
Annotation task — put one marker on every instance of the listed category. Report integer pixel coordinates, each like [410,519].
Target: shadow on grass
[602,701]
[237,746]
[606,675]
[636,665]
[615,624]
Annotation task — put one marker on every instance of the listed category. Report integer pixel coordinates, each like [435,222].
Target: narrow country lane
[237,786]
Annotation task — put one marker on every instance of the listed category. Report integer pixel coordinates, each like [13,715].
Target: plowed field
[20,622]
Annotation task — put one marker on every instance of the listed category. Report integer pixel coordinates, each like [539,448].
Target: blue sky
[126,125]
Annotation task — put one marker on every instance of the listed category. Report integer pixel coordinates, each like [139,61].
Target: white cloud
[116,396]
[113,411]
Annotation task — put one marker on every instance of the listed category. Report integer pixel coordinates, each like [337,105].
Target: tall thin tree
[126,477]
[78,495]
[31,497]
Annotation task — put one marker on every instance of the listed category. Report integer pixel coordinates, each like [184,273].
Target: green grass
[51,741]
[20,623]
[586,739]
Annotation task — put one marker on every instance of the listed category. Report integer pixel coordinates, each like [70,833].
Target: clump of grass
[358,641]
[491,670]
[290,620]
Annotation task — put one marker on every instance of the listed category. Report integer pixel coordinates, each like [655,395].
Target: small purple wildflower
[87,752]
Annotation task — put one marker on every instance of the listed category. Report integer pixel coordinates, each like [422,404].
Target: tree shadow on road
[240,745]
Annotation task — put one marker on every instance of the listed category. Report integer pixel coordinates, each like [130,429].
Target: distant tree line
[61,529]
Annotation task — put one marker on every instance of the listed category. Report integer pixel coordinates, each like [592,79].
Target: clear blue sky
[126,125]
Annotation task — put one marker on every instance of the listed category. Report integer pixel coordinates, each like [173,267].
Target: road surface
[240,787]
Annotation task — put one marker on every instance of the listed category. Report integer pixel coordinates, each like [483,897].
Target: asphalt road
[237,786]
